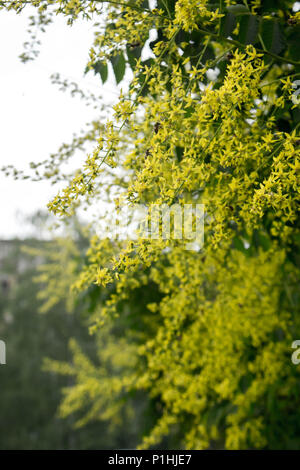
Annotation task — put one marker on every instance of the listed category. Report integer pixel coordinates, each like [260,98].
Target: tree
[213,345]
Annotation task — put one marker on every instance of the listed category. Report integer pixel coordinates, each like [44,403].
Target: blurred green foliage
[29,396]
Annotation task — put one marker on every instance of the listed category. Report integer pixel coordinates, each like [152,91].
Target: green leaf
[101,68]
[194,52]
[133,54]
[293,42]
[237,9]
[267,5]
[228,23]
[179,153]
[261,240]
[166,5]
[238,244]
[272,36]
[249,26]
[119,66]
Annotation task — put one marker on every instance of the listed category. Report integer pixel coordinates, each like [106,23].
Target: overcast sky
[35,117]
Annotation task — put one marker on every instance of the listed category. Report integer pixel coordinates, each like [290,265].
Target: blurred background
[35,118]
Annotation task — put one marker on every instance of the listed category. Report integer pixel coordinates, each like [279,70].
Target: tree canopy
[210,116]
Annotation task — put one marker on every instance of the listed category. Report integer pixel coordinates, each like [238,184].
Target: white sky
[35,117]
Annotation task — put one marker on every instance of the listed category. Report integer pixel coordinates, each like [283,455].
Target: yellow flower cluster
[189,12]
